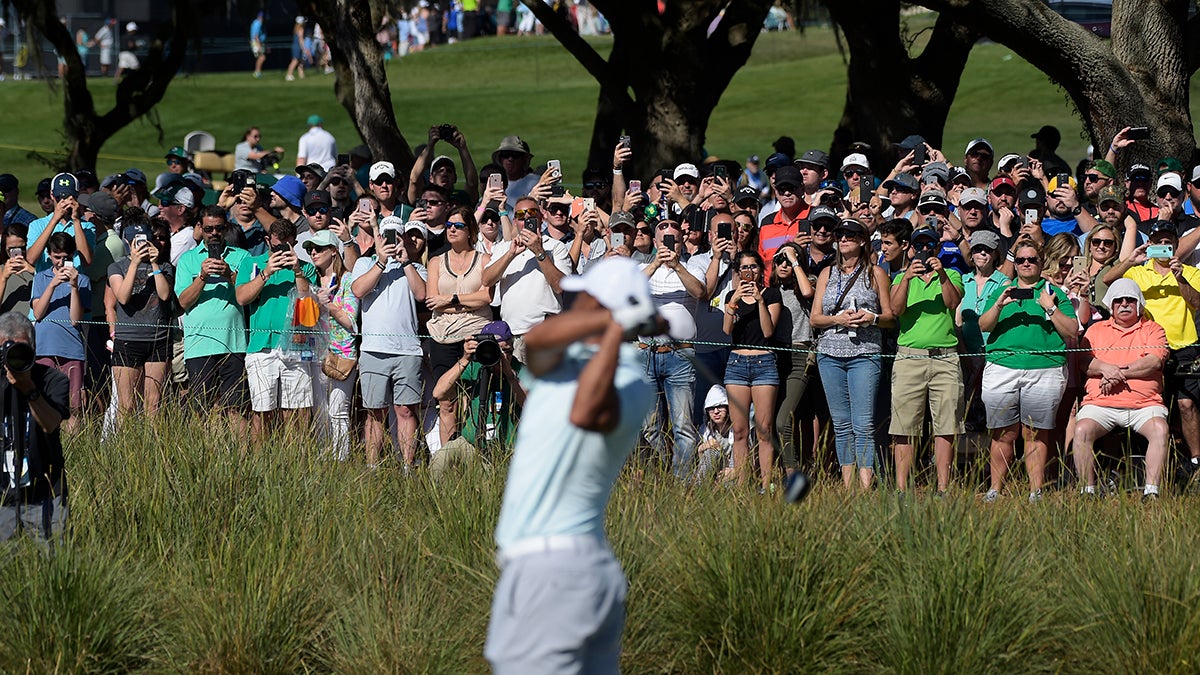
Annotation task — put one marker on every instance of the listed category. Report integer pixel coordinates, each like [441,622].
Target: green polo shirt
[1023,328]
[927,323]
[269,313]
[216,324]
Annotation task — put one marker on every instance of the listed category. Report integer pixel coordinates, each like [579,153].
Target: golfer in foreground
[560,602]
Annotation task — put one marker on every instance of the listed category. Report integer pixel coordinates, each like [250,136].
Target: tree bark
[361,85]
[138,92]
[889,93]
[665,75]
[1138,77]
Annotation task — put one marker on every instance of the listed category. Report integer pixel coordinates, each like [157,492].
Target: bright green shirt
[269,311]
[504,423]
[1024,328]
[927,323]
[216,324]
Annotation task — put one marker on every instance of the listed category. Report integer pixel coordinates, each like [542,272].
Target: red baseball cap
[1003,180]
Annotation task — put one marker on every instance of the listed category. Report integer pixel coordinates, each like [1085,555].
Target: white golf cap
[1169,179]
[616,282]
[686,169]
[382,169]
[131,27]
[856,159]
[972,195]
[391,223]
[716,396]
[976,142]
[416,226]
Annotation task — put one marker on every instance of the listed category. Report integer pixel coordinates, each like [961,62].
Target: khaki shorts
[1125,418]
[926,381]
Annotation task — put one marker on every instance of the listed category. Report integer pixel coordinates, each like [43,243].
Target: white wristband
[618,172]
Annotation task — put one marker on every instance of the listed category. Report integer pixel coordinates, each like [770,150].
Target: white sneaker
[290,78]
[991,496]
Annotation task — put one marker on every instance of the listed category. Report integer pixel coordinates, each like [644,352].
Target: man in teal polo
[279,372]
[214,324]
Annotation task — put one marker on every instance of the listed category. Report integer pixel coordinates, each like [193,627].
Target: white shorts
[128,61]
[1031,397]
[1123,418]
[278,383]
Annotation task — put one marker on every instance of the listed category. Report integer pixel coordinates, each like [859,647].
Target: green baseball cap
[177,151]
[1105,167]
[1169,164]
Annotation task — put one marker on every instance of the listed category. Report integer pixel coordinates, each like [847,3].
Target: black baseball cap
[745,193]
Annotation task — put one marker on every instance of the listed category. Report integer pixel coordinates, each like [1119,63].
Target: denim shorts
[751,370]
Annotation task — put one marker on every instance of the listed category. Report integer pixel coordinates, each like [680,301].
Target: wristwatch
[541,256]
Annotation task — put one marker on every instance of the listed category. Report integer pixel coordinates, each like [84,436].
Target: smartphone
[280,248]
[1020,293]
[69,263]
[421,204]
[558,190]
[1161,251]
[865,182]
[496,181]
[720,171]
[1079,264]
[919,155]
[1031,216]
[446,132]
[668,241]
[747,275]
[364,205]
[333,282]
[804,227]
[635,185]
[139,239]
[589,204]
[931,222]
[16,252]
[531,224]
[624,141]
[555,168]
[1138,133]
[343,159]
[391,236]
[1064,180]
[618,240]
[725,231]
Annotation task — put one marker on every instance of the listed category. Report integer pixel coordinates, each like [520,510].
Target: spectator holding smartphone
[1028,323]
[16,275]
[793,329]
[460,303]
[61,298]
[335,379]
[143,285]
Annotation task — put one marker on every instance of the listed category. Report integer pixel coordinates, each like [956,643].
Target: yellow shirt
[1165,303]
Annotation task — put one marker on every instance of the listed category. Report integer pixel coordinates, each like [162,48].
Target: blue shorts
[751,370]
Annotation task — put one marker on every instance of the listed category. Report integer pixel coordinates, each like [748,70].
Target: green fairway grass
[793,84]
[191,553]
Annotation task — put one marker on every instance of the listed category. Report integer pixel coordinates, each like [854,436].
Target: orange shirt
[778,232]
[1122,346]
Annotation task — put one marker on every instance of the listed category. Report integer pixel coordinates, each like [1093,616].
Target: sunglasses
[686,179]
[980,249]
[747,267]
[853,172]
[382,180]
[1093,177]
[823,227]
[314,210]
[1124,301]
[667,226]
[509,155]
[1023,260]
[174,162]
[745,226]
[1168,192]
[643,230]
[785,189]
[336,181]
[435,202]
[929,210]
[979,154]
[456,225]
[525,213]
[1005,193]
[557,208]
[1113,206]
[595,185]
[783,260]
[1104,242]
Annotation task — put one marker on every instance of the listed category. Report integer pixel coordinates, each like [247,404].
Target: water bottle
[852,306]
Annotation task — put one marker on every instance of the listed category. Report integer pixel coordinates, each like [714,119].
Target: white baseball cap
[416,226]
[391,223]
[616,282]
[131,27]
[1171,179]
[978,141]
[856,159]
[686,169]
[381,169]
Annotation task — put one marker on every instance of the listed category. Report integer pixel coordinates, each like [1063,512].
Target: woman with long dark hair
[795,331]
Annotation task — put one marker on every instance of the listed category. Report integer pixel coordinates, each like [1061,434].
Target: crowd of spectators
[901,306]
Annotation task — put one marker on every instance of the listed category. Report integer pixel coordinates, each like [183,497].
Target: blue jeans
[674,376]
[850,385]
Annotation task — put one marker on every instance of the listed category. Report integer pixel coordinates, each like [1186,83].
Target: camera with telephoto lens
[240,180]
[487,350]
[16,356]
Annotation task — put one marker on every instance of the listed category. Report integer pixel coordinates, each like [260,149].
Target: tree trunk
[361,85]
[890,94]
[1139,77]
[138,92]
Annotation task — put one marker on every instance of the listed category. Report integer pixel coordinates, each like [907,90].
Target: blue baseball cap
[64,185]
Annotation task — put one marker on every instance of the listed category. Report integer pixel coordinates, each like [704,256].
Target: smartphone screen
[720,171]
[668,241]
[624,141]
[919,155]
[724,230]
[635,185]
[364,205]
[1021,293]
[343,160]
[392,237]
[1139,133]
[865,183]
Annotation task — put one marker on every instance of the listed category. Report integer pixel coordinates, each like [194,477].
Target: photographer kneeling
[35,398]
[486,377]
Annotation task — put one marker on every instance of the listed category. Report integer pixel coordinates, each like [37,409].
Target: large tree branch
[583,52]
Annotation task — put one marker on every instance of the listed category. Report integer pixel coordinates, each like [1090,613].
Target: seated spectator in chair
[1124,385]
[62,297]
[492,397]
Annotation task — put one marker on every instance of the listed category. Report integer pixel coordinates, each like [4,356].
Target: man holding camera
[390,285]
[214,324]
[559,602]
[1172,293]
[441,169]
[271,286]
[926,372]
[35,404]
[487,377]
[528,270]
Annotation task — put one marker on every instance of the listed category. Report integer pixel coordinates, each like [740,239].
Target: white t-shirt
[673,301]
[526,296]
[520,188]
[318,145]
[182,242]
[710,315]
[389,311]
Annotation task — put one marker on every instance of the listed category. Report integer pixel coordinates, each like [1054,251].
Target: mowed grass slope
[794,84]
